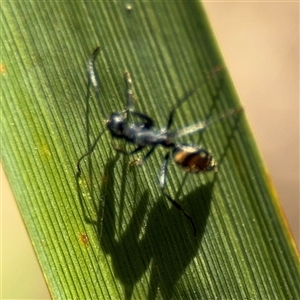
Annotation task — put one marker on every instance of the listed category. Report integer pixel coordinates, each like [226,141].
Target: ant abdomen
[193,159]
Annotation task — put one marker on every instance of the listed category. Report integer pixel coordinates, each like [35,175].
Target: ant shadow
[140,248]
[154,241]
[154,244]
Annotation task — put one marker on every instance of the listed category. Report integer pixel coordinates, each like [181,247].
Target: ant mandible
[190,157]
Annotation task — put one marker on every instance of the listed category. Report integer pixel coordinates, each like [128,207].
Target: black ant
[191,158]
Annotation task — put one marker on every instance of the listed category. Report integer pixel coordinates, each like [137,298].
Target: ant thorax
[140,133]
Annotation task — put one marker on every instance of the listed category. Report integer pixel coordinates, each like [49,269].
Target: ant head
[115,124]
[193,159]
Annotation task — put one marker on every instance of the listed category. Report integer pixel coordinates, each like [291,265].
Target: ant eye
[115,124]
[193,159]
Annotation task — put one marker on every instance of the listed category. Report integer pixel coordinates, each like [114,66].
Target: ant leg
[191,93]
[140,162]
[162,183]
[201,125]
[148,122]
[179,207]
[163,171]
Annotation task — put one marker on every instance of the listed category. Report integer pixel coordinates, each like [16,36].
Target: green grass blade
[111,234]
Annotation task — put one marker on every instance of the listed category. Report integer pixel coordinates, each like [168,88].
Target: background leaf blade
[165,89]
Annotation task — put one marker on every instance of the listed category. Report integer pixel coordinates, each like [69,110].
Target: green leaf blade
[136,246]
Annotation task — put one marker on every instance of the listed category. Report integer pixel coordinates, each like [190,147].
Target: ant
[191,158]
